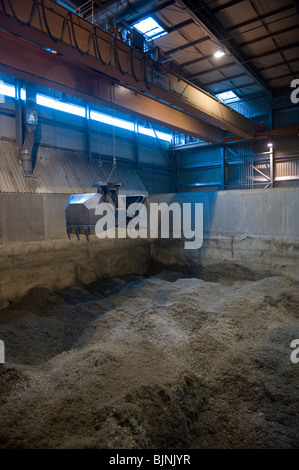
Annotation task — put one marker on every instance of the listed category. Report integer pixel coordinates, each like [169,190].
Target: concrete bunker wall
[35,250]
[258,229]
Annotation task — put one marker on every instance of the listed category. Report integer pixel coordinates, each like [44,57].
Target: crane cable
[93,38]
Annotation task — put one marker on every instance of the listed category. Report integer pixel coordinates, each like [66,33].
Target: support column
[19,116]
[136,146]
[271,155]
[175,171]
[223,167]
[88,132]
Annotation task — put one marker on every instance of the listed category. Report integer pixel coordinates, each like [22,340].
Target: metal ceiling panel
[170,40]
[281,83]
[259,27]
[236,14]
[172,15]
[194,31]
[285,22]
[227,68]
[262,47]
[292,54]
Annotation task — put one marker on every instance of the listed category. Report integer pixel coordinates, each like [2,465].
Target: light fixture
[219,53]
[270,144]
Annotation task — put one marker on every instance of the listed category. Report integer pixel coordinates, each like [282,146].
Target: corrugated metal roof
[59,171]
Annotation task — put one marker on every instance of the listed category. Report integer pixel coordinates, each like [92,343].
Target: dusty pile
[163,362]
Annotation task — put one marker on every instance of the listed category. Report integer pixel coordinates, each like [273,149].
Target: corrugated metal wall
[237,165]
[59,171]
[201,167]
[147,155]
[241,164]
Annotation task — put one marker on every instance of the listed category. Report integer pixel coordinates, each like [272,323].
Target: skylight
[129,126]
[151,133]
[227,95]
[150,28]
[23,94]
[7,90]
[60,106]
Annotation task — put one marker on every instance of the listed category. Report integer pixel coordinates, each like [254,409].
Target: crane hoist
[80,210]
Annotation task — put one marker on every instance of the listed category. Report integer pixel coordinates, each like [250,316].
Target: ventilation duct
[26,156]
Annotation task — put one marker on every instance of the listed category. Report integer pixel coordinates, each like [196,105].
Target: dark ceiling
[260,39]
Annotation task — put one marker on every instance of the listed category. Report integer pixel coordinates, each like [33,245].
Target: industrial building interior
[137,342]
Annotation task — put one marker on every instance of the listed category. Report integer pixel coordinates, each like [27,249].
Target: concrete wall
[258,229]
[35,250]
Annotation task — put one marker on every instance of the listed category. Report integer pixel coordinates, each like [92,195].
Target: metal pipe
[19,115]
[26,156]
[26,153]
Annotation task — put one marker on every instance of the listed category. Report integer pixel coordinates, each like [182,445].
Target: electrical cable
[93,38]
[98,52]
[32,13]
[117,61]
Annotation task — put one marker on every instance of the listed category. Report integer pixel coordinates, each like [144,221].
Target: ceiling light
[219,53]
[270,144]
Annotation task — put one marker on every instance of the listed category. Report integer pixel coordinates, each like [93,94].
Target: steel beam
[225,79]
[149,12]
[19,116]
[260,17]
[234,88]
[272,52]
[181,25]
[296,5]
[183,97]
[212,69]
[230,4]
[223,167]
[278,64]
[185,46]
[207,20]
[29,62]
[287,178]
[268,36]
[288,75]
[271,157]
[293,130]
[261,173]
